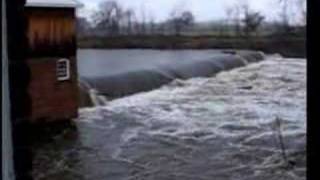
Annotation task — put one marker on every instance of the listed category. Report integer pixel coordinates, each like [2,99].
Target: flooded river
[245,124]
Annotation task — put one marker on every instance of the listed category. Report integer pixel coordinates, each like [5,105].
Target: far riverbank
[288,46]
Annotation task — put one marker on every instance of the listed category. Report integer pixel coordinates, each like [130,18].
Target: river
[248,123]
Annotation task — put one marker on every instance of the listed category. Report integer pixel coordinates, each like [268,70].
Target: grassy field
[293,46]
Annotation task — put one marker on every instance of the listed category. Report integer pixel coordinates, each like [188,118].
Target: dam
[118,73]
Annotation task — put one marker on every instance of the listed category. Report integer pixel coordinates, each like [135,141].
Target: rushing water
[222,127]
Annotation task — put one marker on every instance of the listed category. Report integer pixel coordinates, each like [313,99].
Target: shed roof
[53,3]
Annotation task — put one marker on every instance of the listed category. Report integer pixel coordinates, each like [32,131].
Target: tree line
[112,19]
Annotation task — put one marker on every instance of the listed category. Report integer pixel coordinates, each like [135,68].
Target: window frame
[66,71]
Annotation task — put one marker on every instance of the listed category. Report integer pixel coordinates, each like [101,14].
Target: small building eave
[54,3]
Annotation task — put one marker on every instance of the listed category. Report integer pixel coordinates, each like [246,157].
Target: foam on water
[221,127]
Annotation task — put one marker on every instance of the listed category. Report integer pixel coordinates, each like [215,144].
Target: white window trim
[67,76]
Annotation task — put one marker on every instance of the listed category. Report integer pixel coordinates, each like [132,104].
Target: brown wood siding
[52,99]
[51,31]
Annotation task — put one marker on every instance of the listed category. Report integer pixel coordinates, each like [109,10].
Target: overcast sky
[204,10]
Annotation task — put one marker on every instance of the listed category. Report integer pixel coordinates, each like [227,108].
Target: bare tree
[109,17]
[229,13]
[252,21]
[301,4]
[142,24]
[151,24]
[235,13]
[128,16]
[187,19]
[161,28]
[181,20]
[83,26]
[237,19]
[284,15]
[241,14]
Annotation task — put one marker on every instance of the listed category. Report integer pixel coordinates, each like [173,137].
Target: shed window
[63,69]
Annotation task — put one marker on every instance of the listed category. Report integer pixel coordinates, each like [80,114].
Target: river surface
[245,124]
[101,63]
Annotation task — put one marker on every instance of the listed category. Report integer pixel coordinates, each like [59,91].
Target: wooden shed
[51,58]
